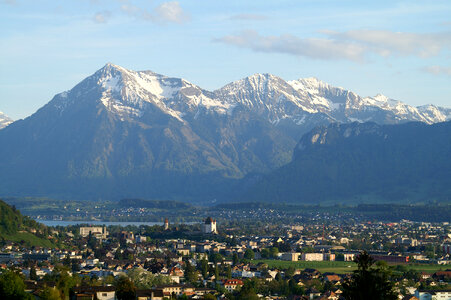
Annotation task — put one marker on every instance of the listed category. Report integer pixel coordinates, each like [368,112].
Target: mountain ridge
[362,162]
[126,134]
[177,96]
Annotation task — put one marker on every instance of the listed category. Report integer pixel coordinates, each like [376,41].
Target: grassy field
[339,267]
[428,268]
[29,239]
[342,267]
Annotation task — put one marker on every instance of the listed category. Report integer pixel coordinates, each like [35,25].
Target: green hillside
[21,229]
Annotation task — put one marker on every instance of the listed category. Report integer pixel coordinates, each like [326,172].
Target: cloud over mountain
[353,45]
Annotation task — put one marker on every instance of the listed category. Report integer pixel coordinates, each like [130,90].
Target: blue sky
[399,48]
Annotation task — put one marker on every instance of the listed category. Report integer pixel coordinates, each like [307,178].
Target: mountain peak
[310,84]
[111,70]
[261,76]
[4,120]
[111,66]
[127,93]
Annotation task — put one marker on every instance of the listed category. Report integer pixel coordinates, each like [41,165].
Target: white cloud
[437,70]
[309,47]
[389,43]
[354,45]
[170,12]
[102,17]
[166,12]
[131,10]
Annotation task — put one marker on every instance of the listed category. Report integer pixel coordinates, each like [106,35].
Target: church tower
[209,226]
[166,224]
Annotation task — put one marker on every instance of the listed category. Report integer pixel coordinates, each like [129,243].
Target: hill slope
[364,162]
[21,229]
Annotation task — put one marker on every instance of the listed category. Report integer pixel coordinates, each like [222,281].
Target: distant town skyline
[399,48]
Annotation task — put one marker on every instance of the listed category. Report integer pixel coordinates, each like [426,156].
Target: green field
[341,267]
[28,239]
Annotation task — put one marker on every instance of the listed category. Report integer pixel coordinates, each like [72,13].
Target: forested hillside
[14,227]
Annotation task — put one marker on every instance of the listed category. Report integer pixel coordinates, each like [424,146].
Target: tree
[289,272]
[92,241]
[229,272]
[209,297]
[216,258]
[274,251]
[12,287]
[216,272]
[369,282]
[235,258]
[248,291]
[33,275]
[49,294]
[143,279]
[265,253]
[204,267]
[249,254]
[67,262]
[75,266]
[125,289]
[118,254]
[190,273]
[284,247]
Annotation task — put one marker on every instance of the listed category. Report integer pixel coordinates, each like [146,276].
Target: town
[310,260]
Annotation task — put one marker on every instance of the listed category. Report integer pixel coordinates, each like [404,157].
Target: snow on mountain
[129,94]
[4,120]
[434,113]
[345,106]
[323,96]
[268,96]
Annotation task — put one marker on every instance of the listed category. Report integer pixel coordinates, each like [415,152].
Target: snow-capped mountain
[346,106]
[123,133]
[130,93]
[4,120]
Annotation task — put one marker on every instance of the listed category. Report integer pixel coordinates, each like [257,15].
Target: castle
[209,226]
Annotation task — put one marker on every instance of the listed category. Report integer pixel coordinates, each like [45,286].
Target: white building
[98,232]
[433,294]
[312,256]
[209,226]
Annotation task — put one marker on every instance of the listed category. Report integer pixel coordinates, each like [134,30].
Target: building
[349,256]
[406,241]
[140,238]
[149,294]
[313,256]
[166,224]
[232,284]
[209,227]
[290,256]
[391,258]
[95,292]
[172,290]
[433,294]
[98,232]
[127,236]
